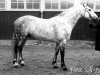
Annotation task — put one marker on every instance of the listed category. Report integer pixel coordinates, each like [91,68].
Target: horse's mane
[64,12]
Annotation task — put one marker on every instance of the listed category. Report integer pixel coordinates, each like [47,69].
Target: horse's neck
[73,17]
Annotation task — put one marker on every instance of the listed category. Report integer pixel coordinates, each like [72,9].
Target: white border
[8,7]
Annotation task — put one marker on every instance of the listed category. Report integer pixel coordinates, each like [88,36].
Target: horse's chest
[64,32]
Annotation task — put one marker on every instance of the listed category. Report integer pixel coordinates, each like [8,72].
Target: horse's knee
[62,48]
[62,52]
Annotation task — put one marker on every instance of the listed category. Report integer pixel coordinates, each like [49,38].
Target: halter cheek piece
[86,11]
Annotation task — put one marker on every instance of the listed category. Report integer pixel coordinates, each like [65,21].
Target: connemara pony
[56,29]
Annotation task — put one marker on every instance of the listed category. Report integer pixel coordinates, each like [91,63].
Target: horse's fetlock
[15,64]
[21,62]
[63,66]
[53,62]
[15,60]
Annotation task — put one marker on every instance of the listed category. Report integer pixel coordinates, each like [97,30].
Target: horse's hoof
[64,68]
[55,66]
[16,65]
[22,63]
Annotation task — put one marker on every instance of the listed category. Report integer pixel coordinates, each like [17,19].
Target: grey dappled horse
[56,29]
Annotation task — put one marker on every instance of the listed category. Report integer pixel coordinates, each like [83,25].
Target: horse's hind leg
[18,43]
[15,49]
[15,61]
[21,45]
[54,62]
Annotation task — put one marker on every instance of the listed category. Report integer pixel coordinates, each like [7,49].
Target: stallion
[57,29]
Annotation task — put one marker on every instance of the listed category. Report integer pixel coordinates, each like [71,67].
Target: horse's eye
[89,9]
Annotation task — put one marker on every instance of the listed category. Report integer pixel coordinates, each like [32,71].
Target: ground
[80,59]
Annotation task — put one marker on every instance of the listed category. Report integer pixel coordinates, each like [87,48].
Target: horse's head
[88,12]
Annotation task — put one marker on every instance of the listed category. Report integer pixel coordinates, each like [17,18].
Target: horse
[56,29]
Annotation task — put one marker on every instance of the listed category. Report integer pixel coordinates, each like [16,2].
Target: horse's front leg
[62,53]
[54,62]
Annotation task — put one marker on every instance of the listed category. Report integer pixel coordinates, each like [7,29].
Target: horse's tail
[15,39]
[16,32]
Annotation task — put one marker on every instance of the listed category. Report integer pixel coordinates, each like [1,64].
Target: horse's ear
[86,4]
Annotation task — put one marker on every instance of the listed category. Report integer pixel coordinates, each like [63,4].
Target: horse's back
[45,29]
[37,27]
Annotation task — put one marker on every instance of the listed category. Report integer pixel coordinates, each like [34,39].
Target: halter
[86,11]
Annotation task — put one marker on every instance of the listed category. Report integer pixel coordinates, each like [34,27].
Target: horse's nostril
[94,20]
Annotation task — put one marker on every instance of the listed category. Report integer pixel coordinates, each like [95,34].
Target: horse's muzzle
[94,21]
